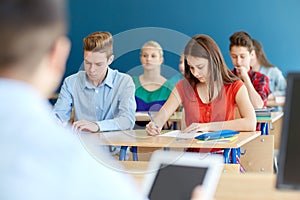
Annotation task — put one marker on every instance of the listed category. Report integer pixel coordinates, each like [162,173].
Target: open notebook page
[141,114]
[180,134]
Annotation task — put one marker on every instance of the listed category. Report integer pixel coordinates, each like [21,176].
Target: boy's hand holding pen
[152,128]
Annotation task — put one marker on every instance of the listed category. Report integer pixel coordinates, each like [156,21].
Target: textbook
[263,112]
[217,135]
[263,117]
[202,135]
[222,140]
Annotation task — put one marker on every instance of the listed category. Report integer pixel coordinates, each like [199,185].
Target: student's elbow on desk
[126,123]
[246,126]
[259,104]
[250,125]
[247,123]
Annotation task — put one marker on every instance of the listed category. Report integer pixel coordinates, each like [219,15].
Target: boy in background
[241,50]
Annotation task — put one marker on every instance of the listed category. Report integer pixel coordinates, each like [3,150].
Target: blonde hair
[100,42]
[155,45]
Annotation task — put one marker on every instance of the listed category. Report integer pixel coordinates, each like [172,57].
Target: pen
[149,113]
[58,118]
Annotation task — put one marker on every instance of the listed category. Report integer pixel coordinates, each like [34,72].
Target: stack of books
[263,113]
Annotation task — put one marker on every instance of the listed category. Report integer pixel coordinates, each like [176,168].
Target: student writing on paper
[210,93]
[103,98]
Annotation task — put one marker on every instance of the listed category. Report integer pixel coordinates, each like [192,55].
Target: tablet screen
[176,181]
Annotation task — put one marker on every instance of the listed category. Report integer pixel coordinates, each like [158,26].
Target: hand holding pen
[152,128]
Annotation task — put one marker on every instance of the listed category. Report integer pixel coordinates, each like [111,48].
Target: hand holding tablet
[174,175]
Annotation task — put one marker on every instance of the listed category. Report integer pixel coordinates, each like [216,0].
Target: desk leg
[226,155]
[134,153]
[123,153]
[236,158]
[174,125]
[235,155]
[264,128]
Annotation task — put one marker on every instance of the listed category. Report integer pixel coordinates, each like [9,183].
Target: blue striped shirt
[111,105]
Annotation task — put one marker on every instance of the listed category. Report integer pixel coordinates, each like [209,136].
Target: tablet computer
[174,175]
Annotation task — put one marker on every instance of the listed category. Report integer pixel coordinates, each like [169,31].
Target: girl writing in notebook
[209,93]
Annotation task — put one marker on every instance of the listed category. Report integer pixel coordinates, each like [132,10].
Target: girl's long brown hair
[260,54]
[204,46]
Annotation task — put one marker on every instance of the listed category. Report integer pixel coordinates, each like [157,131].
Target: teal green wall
[274,22]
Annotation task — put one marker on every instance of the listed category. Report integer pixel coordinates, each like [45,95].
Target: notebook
[217,135]
[174,175]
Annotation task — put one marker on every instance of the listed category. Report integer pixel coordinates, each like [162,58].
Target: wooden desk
[142,167]
[251,186]
[175,118]
[139,138]
[231,185]
[274,126]
[273,102]
[266,124]
[143,116]
[274,117]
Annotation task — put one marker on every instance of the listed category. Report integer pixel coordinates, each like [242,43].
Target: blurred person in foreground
[39,158]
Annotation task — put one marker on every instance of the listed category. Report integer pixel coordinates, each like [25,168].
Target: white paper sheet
[179,134]
[141,114]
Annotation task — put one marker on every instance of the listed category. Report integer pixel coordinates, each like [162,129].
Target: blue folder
[217,135]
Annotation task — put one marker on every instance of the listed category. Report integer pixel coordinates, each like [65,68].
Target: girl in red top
[210,93]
